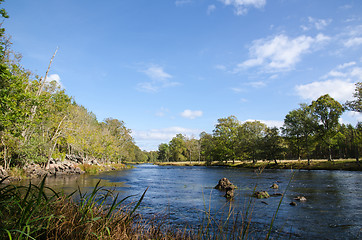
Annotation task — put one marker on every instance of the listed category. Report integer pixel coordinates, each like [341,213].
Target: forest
[309,132]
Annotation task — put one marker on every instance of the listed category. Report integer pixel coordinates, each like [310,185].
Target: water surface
[333,209]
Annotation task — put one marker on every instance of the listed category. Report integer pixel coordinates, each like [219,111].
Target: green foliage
[311,131]
[327,111]
[39,121]
[356,105]
[178,148]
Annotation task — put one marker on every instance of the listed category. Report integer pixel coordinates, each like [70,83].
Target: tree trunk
[25,134]
[329,153]
[51,150]
[307,148]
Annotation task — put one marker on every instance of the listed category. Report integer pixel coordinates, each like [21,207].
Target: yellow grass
[316,164]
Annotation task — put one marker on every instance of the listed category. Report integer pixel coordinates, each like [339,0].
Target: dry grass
[316,164]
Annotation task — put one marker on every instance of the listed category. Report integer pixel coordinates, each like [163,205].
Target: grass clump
[91,168]
[95,168]
[38,212]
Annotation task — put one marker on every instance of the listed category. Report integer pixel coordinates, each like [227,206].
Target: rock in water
[300,198]
[274,186]
[229,193]
[261,194]
[224,183]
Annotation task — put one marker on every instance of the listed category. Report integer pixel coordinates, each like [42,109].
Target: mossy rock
[261,194]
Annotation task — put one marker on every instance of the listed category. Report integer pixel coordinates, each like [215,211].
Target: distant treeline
[39,121]
[311,131]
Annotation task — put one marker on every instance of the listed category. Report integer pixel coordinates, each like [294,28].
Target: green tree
[225,136]
[253,133]
[327,111]
[192,147]
[164,152]
[207,147]
[356,105]
[178,148]
[299,126]
[273,144]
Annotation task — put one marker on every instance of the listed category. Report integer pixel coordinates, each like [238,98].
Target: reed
[38,212]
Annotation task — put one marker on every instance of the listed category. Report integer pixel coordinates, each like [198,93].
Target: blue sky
[176,66]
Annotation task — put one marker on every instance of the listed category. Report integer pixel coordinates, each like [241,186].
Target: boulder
[224,183]
[229,193]
[274,186]
[293,204]
[261,194]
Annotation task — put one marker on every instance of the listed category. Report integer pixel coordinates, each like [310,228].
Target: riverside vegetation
[39,212]
[40,124]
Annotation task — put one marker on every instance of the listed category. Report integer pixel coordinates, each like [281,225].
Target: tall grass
[39,212]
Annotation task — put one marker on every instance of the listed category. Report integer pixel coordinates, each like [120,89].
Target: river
[333,209]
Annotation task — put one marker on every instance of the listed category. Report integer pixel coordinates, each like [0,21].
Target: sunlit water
[333,209]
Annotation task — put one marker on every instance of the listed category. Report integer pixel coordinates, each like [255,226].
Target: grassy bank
[94,169]
[340,164]
[38,212]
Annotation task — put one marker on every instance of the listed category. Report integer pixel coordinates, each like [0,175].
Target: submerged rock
[293,204]
[300,198]
[261,194]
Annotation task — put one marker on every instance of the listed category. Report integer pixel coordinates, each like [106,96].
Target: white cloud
[355,115]
[338,89]
[242,6]
[257,84]
[159,79]
[351,36]
[280,52]
[345,65]
[54,77]
[221,67]
[237,90]
[269,123]
[162,112]
[150,139]
[191,114]
[353,42]
[319,24]
[210,9]
[347,71]
[339,83]
[157,73]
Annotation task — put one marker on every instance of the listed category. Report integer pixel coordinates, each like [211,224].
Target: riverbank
[72,165]
[339,164]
